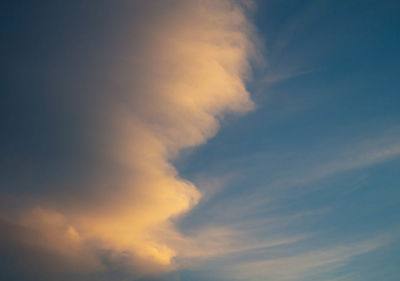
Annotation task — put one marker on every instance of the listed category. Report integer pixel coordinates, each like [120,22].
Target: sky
[200,140]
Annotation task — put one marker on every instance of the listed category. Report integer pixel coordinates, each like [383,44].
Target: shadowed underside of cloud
[186,67]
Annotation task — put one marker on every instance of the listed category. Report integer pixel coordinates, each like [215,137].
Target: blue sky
[320,152]
[137,159]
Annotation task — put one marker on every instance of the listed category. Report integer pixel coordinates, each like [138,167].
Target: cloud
[45,246]
[320,162]
[301,266]
[186,68]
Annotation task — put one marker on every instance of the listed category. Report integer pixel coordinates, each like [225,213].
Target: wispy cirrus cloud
[269,215]
[315,164]
[302,266]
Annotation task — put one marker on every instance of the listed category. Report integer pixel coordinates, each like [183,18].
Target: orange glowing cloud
[188,67]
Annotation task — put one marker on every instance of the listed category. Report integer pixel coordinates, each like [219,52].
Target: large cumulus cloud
[170,73]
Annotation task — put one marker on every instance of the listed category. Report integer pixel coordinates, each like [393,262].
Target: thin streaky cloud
[305,264]
[353,155]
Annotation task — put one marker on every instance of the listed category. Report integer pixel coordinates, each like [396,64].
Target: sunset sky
[200,140]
